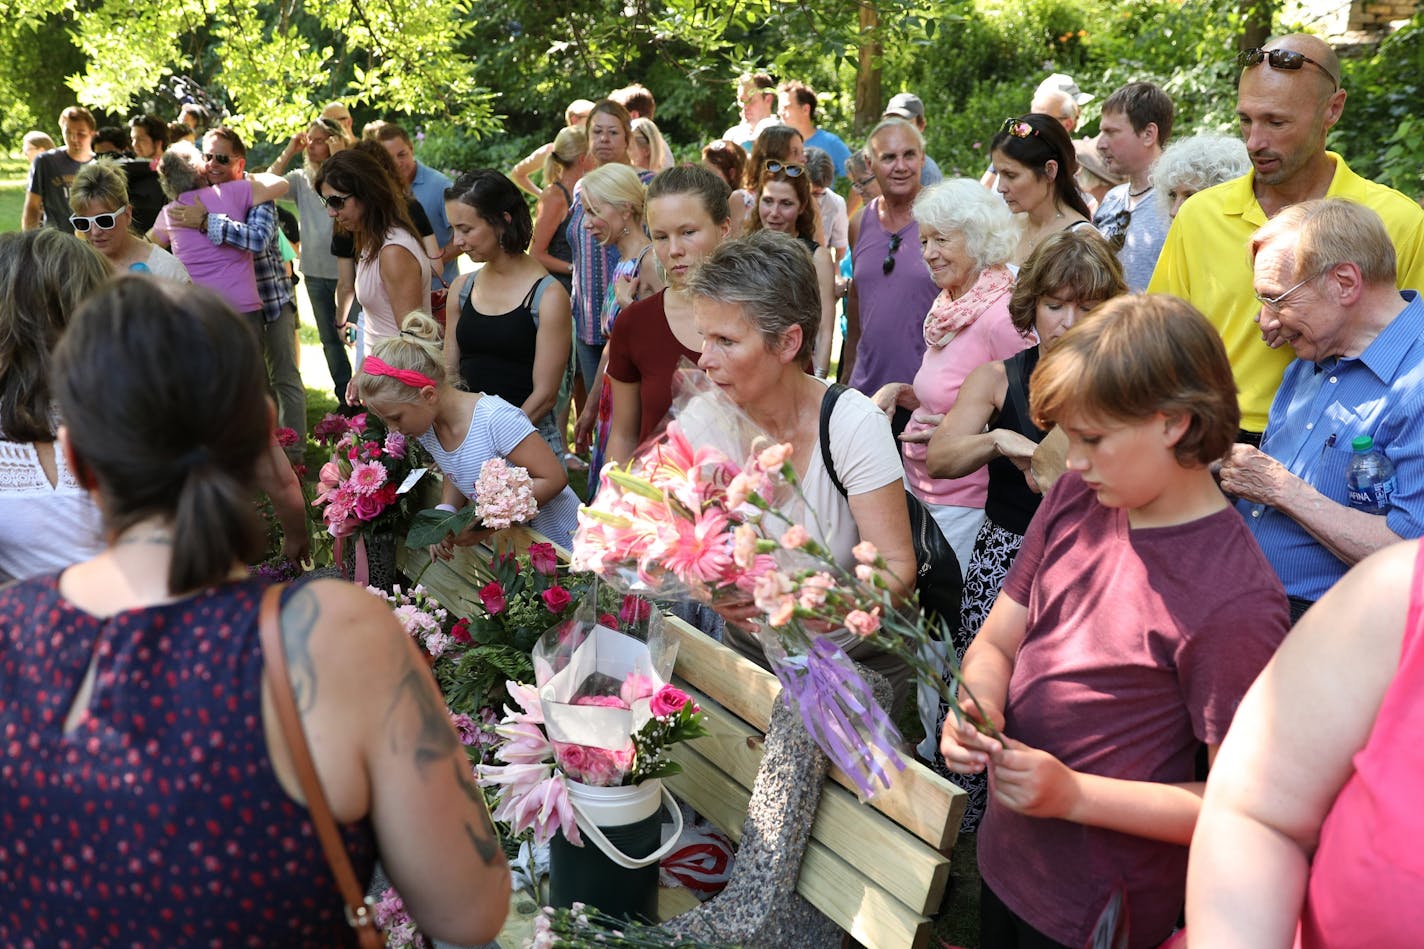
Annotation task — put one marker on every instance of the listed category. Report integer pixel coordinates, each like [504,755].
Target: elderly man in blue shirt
[1324,272]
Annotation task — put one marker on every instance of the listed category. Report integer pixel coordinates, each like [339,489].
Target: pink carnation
[862,623]
[771,459]
[795,536]
[785,609]
[865,552]
[814,589]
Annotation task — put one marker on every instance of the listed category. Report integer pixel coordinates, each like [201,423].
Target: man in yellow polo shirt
[1288,98]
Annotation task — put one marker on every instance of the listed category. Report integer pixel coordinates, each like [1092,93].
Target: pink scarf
[947,317]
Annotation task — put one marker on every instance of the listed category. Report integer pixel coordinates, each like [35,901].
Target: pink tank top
[1368,874]
[380,319]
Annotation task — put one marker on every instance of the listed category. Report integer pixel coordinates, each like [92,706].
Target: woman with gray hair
[757,304]
[966,237]
[225,269]
[1195,164]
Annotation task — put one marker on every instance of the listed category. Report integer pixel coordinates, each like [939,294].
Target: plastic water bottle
[1371,477]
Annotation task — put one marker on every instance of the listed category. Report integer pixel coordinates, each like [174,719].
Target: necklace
[1138,194]
[160,538]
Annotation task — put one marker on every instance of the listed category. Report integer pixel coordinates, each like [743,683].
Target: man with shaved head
[1288,98]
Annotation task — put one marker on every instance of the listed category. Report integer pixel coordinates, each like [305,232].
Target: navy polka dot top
[158,821]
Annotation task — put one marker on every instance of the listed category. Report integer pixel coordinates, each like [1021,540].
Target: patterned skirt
[994,551]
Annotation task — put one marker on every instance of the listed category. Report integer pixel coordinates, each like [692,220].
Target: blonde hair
[659,154]
[100,182]
[417,348]
[569,146]
[616,184]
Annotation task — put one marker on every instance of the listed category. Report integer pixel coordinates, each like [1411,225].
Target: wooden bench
[878,870]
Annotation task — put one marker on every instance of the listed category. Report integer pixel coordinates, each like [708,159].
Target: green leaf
[431,525]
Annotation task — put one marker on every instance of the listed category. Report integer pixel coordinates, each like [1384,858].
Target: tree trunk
[869,105]
[1256,16]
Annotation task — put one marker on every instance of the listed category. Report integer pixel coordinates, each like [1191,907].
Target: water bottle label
[1373,498]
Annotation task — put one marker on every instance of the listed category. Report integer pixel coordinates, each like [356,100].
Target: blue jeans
[588,356]
[321,291]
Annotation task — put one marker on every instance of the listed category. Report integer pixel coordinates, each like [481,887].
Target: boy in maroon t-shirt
[1137,614]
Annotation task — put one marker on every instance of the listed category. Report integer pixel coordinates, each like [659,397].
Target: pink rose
[771,459]
[556,599]
[862,623]
[636,686]
[369,506]
[865,552]
[609,620]
[635,610]
[395,445]
[544,558]
[601,701]
[668,701]
[492,597]
[460,632]
[794,537]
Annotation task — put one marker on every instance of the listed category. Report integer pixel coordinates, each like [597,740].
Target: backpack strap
[466,289]
[828,408]
[536,295]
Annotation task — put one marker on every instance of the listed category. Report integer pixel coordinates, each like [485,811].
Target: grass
[13,172]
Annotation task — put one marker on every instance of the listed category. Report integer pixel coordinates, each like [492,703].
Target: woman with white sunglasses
[99,198]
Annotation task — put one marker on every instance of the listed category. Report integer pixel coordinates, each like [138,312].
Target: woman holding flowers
[406,383]
[687,219]
[145,752]
[756,304]
[988,428]
[1137,614]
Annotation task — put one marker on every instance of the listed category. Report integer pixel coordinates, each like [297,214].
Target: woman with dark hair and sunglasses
[103,217]
[510,331]
[1037,168]
[138,685]
[225,269]
[392,269]
[784,203]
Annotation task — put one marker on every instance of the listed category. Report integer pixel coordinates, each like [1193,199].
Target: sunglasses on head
[103,222]
[1018,128]
[220,159]
[1280,59]
[791,171]
[335,201]
[887,266]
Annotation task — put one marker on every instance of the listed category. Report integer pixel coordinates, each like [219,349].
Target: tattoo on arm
[429,737]
[483,838]
[299,616]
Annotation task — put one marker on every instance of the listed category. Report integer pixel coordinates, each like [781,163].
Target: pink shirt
[380,319]
[1365,879]
[225,269]
[943,370]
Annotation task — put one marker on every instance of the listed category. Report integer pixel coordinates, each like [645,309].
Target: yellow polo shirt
[1206,261]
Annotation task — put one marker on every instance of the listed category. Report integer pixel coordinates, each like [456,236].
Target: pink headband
[376,366]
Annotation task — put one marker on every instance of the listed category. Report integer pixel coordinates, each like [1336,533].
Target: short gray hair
[820,167]
[771,276]
[894,122]
[1199,162]
[962,206]
[180,170]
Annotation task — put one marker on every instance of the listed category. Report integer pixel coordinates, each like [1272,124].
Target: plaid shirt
[258,236]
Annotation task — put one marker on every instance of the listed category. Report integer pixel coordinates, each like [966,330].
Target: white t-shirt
[43,527]
[161,263]
[496,427]
[835,224]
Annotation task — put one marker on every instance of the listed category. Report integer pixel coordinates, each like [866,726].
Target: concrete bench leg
[760,906]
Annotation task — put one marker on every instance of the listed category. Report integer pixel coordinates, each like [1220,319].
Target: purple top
[892,306]
[225,269]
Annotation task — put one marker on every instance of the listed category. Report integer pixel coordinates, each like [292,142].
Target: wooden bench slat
[898,861]
[918,799]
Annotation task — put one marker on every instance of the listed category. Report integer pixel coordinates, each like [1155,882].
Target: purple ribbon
[839,709]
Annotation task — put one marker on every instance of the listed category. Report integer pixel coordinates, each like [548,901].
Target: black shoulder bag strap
[828,408]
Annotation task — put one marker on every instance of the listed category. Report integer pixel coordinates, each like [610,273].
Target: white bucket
[596,807]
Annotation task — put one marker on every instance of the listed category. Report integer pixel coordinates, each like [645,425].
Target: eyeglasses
[103,222]
[336,201]
[888,266]
[1018,128]
[776,168]
[860,184]
[220,159]
[1280,59]
[1274,303]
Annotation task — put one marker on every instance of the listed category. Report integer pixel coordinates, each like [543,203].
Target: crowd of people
[1131,378]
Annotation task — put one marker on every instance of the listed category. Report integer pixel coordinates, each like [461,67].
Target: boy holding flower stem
[1138,612]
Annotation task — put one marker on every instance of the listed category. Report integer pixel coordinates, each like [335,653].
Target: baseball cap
[1061,82]
[906,105]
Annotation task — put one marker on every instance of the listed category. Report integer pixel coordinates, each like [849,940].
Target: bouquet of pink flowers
[727,515]
[601,713]
[502,496]
[366,484]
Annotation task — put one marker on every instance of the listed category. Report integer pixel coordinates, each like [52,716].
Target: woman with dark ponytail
[1037,169]
[145,750]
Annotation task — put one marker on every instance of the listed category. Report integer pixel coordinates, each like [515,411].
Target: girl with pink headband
[404,382]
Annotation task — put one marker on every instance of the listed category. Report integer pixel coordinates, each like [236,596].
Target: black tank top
[559,245]
[1010,504]
[497,350]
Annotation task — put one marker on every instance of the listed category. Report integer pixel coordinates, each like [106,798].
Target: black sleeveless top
[1010,504]
[497,350]
[559,245]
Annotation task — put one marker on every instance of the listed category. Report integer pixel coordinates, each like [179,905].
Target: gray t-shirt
[1145,232]
[50,177]
[315,226]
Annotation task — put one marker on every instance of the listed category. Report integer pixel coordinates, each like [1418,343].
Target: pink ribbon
[375,366]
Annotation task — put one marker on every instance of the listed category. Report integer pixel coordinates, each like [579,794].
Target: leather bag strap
[274,654]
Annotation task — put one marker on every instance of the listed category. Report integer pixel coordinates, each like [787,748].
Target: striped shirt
[592,265]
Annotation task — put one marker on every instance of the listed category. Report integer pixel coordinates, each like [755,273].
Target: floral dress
[611,308]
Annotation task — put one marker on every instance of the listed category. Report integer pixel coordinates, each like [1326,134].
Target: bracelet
[447,508]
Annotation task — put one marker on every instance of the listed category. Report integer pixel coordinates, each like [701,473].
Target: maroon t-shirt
[644,350]
[1140,645]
